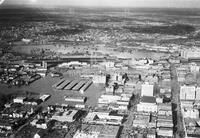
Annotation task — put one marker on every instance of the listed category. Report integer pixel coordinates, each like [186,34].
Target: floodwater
[44,86]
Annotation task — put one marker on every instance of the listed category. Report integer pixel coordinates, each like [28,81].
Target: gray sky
[114,3]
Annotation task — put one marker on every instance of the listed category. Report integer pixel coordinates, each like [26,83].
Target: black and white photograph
[99,68]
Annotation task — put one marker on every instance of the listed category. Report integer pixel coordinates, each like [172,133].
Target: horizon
[106,3]
[12,6]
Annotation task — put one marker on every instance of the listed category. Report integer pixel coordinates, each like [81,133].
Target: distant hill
[195,35]
[177,29]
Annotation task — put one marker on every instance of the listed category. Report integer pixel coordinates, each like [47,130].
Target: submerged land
[141,66]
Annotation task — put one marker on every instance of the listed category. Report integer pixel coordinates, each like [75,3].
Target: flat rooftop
[105,130]
[148,99]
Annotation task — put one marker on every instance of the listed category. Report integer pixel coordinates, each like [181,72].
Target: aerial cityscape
[78,70]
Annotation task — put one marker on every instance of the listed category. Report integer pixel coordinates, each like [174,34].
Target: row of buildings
[17,112]
[22,73]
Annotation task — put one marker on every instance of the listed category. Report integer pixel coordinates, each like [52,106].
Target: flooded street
[44,86]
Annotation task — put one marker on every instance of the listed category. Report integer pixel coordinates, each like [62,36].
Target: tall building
[147,90]
[99,79]
[44,64]
[187,93]
[190,54]
[198,93]
[194,68]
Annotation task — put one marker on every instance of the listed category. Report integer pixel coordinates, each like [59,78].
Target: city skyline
[99,68]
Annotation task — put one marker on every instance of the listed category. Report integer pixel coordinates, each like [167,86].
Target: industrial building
[79,85]
[103,118]
[97,131]
[165,132]
[116,77]
[114,102]
[147,104]
[141,121]
[73,64]
[109,99]
[19,100]
[58,83]
[86,86]
[190,113]
[99,79]
[71,85]
[187,93]
[190,54]
[66,116]
[75,99]
[75,85]
[198,93]
[164,121]
[194,68]
[63,85]
[108,64]
[44,97]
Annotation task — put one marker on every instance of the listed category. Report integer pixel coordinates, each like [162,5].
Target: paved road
[177,115]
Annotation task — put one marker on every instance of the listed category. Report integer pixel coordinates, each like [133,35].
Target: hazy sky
[114,3]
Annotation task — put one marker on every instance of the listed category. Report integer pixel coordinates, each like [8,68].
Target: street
[179,131]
